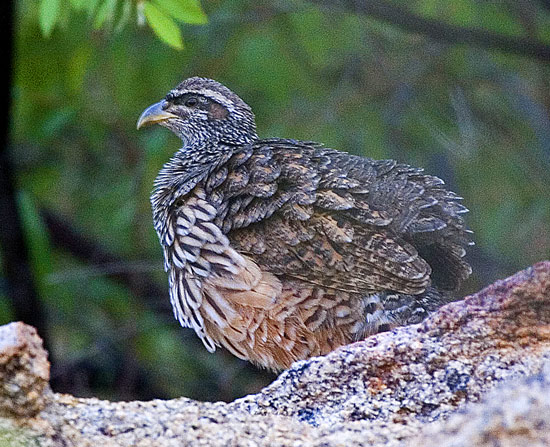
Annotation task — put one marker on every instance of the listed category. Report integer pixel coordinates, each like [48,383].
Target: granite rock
[24,371]
[516,413]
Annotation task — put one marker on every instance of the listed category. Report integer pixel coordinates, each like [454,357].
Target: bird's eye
[191,102]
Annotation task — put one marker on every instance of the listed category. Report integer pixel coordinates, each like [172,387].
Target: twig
[437,30]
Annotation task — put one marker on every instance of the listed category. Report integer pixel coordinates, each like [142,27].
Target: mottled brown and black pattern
[282,249]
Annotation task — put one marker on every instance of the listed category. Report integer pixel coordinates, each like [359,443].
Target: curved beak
[154,114]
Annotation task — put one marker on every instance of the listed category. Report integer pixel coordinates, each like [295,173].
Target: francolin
[279,249]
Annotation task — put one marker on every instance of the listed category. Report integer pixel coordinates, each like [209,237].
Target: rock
[516,413]
[24,371]
[385,390]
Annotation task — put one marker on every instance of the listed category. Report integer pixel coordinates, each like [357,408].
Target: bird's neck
[187,168]
[235,134]
[189,165]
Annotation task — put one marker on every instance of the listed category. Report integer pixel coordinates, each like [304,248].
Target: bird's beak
[154,114]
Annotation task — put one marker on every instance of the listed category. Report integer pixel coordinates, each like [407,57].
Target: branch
[401,17]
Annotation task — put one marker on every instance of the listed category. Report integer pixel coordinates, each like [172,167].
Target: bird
[279,249]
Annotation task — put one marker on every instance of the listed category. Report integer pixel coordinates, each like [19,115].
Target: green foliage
[161,15]
[185,11]
[37,238]
[163,26]
[105,13]
[48,15]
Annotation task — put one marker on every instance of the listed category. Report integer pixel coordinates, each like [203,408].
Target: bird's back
[305,211]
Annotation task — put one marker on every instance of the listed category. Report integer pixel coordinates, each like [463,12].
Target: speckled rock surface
[24,371]
[515,414]
[382,391]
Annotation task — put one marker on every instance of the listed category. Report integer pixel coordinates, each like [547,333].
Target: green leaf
[48,15]
[90,6]
[106,12]
[77,67]
[163,26]
[186,11]
[124,16]
[78,4]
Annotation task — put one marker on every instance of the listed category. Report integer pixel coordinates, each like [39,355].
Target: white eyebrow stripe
[212,94]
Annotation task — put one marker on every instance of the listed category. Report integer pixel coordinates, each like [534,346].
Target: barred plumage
[281,249]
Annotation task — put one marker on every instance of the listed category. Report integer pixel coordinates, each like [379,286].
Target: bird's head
[201,110]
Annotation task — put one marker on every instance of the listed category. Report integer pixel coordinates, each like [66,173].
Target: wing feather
[347,222]
[209,280]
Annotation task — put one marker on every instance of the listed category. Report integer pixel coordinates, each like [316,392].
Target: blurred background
[461,88]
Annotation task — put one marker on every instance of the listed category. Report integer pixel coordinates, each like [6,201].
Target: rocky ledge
[477,372]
